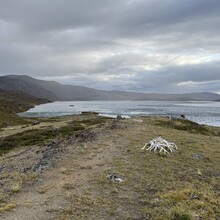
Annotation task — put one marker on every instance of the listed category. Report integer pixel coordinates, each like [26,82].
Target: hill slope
[17,101]
[55,91]
[13,102]
[26,85]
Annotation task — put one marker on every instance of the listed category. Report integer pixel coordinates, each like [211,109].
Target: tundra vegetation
[73,155]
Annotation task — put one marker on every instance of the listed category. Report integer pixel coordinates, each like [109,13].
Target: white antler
[161,145]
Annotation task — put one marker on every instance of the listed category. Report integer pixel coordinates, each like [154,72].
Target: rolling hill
[54,91]
[17,101]
[12,102]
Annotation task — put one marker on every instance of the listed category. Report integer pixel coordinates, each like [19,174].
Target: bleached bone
[161,145]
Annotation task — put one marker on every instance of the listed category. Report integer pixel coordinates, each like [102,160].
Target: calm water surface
[201,112]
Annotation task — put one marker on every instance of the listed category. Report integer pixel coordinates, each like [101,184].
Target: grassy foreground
[184,185]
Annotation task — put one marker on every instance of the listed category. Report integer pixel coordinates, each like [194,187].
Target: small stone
[198,156]
[112,177]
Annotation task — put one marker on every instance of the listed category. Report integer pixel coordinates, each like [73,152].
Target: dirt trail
[48,197]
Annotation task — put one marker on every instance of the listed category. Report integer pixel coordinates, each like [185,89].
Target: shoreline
[114,116]
[200,114]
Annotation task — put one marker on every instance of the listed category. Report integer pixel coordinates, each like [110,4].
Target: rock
[46,160]
[198,156]
[193,196]
[119,117]
[112,177]
[36,123]
[89,113]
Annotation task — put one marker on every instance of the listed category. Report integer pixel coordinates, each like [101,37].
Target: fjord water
[201,112]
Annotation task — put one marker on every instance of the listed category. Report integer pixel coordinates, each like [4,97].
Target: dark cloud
[135,45]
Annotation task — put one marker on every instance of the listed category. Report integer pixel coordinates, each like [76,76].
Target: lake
[201,112]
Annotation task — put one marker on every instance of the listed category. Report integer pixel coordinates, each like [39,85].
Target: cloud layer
[135,45]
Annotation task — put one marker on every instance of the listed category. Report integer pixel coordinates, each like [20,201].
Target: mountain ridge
[55,91]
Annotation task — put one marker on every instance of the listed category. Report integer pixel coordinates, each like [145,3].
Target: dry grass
[7,119]
[155,186]
[8,206]
[176,186]
[44,188]
[16,187]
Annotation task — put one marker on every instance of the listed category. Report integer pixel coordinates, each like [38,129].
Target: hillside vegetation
[13,102]
[57,170]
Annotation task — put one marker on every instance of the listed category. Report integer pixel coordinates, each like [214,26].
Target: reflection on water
[201,112]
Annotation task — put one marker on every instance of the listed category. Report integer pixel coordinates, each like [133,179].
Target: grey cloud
[135,45]
[57,15]
[203,77]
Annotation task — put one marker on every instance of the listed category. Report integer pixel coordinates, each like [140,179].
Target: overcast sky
[134,45]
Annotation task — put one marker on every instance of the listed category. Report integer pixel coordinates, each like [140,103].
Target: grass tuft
[16,187]
[8,207]
[189,126]
[181,213]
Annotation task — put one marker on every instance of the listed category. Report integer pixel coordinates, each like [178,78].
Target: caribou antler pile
[161,145]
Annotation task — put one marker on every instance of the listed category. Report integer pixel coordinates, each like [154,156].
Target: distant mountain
[25,84]
[54,91]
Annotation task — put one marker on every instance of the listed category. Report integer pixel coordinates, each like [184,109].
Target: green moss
[187,125]
[35,137]
[42,136]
